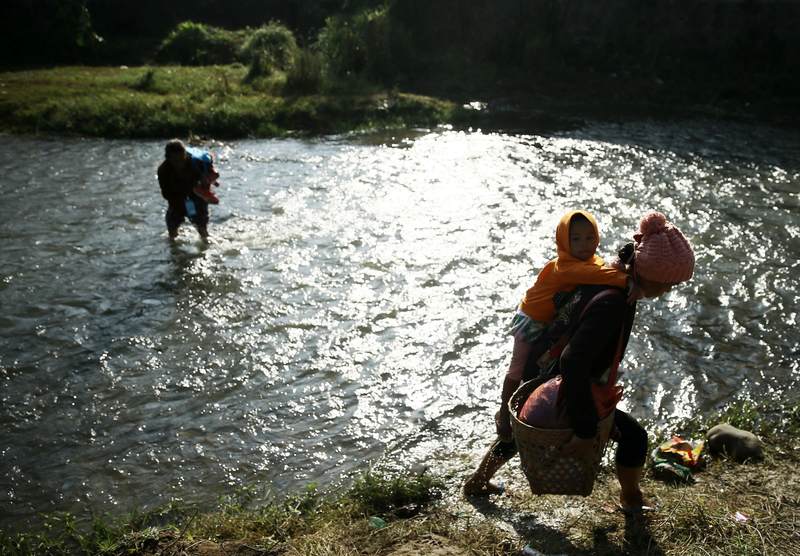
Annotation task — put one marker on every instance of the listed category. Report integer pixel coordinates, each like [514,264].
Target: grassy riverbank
[223,102]
[417,514]
[213,101]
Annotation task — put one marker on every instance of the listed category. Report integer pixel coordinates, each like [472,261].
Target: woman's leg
[200,220]
[174,217]
[497,456]
[504,448]
[630,458]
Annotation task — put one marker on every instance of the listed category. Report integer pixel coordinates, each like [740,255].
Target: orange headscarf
[566,272]
[562,237]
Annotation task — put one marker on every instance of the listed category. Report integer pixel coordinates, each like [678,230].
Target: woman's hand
[578,447]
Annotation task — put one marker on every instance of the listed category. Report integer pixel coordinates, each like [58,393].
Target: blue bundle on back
[202,160]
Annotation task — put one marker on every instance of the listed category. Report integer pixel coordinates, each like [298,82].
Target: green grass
[208,101]
[773,421]
[423,514]
[300,520]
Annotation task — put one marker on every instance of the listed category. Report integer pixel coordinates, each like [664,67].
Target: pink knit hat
[662,253]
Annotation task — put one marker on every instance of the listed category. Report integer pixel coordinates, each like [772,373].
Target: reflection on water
[354,299]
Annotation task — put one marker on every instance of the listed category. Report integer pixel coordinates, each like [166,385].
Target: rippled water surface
[354,299]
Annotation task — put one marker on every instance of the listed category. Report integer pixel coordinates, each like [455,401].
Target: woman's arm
[588,353]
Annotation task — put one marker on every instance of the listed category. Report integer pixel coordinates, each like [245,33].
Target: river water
[354,300]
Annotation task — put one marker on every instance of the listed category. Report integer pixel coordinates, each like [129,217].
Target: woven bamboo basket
[547,471]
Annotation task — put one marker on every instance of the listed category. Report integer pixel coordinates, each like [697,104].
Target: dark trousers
[176,213]
[629,435]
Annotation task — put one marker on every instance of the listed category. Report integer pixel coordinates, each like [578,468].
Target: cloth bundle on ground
[738,444]
[676,459]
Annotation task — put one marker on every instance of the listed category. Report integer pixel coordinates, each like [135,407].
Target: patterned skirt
[525,328]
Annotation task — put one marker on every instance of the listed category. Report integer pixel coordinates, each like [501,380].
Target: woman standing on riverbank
[661,258]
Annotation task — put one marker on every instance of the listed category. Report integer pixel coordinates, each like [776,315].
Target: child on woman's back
[577,238]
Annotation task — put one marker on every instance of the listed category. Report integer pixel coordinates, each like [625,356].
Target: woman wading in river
[660,258]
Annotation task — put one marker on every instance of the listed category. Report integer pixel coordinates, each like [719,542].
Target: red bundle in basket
[542,408]
[540,439]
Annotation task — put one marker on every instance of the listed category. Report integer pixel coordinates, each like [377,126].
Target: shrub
[195,44]
[272,44]
[368,44]
[343,48]
[259,67]
[376,493]
[305,75]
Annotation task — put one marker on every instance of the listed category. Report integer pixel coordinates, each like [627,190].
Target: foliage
[341,47]
[146,82]
[259,68]
[65,534]
[196,44]
[55,31]
[273,44]
[377,493]
[268,50]
[728,51]
[305,75]
[368,44]
[71,26]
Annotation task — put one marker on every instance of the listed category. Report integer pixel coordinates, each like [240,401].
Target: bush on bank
[368,44]
[305,76]
[273,43]
[196,44]
[266,49]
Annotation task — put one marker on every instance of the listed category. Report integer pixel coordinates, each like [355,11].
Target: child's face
[582,241]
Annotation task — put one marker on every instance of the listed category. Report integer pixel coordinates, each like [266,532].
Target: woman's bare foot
[634,503]
[479,486]
[631,499]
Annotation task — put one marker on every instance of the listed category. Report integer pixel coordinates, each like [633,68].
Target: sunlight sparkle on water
[355,299]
